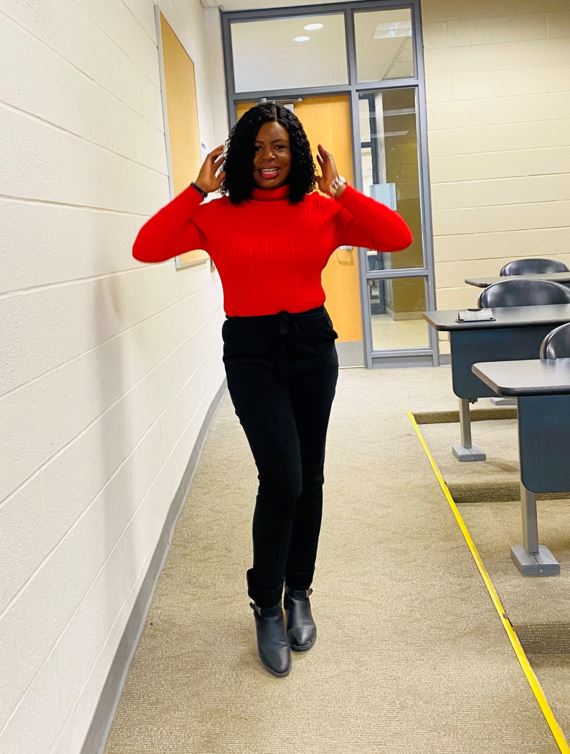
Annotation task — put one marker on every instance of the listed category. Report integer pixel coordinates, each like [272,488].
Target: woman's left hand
[328,170]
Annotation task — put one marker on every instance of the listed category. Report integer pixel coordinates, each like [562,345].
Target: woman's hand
[328,170]
[207,179]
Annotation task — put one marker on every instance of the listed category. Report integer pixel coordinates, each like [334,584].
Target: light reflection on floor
[388,333]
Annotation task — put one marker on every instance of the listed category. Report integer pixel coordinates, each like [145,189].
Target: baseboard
[401,316]
[103,717]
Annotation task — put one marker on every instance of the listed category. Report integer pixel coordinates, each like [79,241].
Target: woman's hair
[238,182]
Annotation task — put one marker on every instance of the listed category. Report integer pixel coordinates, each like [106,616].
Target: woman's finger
[215,152]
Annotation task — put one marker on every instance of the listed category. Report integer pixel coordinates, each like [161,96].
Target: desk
[516,333]
[556,277]
[542,389]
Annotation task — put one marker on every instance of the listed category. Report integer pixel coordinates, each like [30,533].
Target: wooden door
[326,120]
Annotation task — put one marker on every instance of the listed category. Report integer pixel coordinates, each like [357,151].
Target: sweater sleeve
[171,231]
[363,221]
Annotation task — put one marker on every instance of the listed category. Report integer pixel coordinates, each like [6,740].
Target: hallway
[411,655]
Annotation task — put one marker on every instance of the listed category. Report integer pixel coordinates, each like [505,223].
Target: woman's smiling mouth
[269,173]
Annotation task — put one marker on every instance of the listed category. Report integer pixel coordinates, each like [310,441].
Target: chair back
[533,267]
[556,345]
[513,292]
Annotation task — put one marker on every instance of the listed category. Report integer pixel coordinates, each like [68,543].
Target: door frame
[371,358]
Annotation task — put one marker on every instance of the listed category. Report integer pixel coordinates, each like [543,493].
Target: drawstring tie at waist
[277,332]
[287,327]
[287,324]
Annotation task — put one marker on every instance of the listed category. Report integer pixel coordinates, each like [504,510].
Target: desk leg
[531,558]
[466,451]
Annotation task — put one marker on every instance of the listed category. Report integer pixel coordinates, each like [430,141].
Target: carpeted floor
[488,498]
[411,656]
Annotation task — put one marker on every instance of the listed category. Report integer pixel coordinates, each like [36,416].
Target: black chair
[513,292]
[533,267]
[556,345]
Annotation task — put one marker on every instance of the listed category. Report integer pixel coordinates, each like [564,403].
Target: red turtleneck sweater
[270,253]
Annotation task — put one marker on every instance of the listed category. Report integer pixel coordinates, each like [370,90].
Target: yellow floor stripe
[530,675]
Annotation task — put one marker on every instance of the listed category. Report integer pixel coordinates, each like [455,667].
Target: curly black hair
[238,182]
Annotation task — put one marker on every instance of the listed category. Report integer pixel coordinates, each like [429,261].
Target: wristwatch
[337,183]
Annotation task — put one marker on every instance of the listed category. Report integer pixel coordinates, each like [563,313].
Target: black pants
[282,371]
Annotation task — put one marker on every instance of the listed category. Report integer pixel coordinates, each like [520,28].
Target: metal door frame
[394,357]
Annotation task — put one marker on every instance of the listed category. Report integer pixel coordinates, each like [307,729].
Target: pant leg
[264,409]
[312,393]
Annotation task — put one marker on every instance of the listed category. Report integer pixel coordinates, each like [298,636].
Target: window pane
[384,44]
[390,170]
[267,57]
[367,170]
[396,308]
[364,111]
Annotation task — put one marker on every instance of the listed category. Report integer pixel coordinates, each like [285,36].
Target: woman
[270,236]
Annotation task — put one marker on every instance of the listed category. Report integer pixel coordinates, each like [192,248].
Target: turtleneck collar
[270,194]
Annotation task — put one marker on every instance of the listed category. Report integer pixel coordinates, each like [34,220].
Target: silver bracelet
[337,183]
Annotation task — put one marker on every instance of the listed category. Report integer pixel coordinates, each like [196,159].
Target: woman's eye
[281,147]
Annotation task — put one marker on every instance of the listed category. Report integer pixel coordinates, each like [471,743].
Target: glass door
[395,282]
[354,71]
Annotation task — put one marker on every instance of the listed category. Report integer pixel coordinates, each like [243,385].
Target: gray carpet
[411,656]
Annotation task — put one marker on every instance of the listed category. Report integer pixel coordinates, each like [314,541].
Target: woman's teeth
[269,173]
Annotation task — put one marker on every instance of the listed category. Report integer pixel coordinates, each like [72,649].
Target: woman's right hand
[207,179]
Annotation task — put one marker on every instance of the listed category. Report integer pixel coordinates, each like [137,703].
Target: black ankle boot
[301,628]
[272,643]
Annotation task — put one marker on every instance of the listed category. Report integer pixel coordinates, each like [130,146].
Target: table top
[525,377]
[505,316]
[557,277]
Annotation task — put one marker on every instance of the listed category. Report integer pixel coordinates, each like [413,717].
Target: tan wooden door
[326,120]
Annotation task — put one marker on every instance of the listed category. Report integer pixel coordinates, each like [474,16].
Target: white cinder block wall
[498,96]
[108,365]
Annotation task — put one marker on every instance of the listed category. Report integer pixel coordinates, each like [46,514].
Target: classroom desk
[542,390]
[516,333]
[556,277]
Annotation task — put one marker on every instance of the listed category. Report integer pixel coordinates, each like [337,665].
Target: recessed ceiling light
[313,27]
[393,29]
[301,39]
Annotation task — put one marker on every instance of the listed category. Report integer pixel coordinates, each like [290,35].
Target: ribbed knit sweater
[270,253]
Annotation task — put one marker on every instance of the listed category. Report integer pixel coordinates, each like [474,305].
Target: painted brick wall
[108,365]
[498,94]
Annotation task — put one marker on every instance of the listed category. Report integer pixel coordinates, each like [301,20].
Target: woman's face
[272,159]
